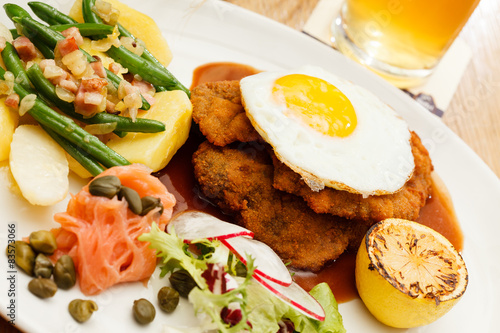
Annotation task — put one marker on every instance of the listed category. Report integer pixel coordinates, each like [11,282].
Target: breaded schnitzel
[404,204]
[217,109]
[240,182]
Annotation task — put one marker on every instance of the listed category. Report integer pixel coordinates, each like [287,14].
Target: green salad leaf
[261,310]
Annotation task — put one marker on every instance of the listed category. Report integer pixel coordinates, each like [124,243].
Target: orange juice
[407,34]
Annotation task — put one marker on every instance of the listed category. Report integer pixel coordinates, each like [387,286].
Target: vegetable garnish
[55,66]
[228,296]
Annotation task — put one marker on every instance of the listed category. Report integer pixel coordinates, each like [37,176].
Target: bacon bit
[89,97]
[66,46]
[115,67]
[25,48]
[3,42]
[98,68]
[110,107]
[144,87]
[94,84]
[75,33]
[12,101]
[46,62]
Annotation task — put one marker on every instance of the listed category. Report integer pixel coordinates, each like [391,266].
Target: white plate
[204,31]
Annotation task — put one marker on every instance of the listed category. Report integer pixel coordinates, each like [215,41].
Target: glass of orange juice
[401,40]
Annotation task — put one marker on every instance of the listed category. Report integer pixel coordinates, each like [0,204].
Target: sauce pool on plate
[178,176]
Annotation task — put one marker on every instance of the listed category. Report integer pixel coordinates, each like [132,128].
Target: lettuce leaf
[259,306]
[266,310]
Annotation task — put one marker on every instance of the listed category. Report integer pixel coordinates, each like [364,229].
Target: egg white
[375,159]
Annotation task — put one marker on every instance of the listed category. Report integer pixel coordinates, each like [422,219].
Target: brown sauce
[220,71]
[178,177]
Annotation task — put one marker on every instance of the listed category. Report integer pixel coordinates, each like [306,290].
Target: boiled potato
[8,123]
[156,149]
[139,25]
[39,166]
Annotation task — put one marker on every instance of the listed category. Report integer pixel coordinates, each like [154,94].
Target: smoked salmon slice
[100,234]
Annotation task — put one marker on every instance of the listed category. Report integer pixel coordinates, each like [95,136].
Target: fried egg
[332,132]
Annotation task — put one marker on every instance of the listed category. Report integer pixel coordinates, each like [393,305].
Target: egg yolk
[316,103]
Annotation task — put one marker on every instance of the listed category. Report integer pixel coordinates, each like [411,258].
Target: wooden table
[474,113]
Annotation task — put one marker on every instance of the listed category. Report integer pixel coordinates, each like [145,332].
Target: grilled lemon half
[407,274]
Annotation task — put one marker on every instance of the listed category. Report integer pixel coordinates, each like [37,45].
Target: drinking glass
[401,40]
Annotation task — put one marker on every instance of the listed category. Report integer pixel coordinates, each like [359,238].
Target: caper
[133,199]
[144,311]
[42,287]
[182,281]
[168,299]
[24,255]
[43,241]
[64,272]
[81,310]
[43,266]
[149,203]
[105,186]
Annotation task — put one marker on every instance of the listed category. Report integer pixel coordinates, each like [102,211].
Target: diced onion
[98,129]
[65,95]
[130,44]
[7,85]
[77,64]
[92,98]
[5,33]
[53,71]
[106,12]
[26,104]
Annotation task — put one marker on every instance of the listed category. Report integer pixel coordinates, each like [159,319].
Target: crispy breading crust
[404,204]
[218,111]
[240,182]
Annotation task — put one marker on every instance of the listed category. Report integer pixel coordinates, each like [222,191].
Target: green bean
[89,163]
[46,51]
[14,33]
[88,14]
[13,10]
[49,14]
[145,54]
[86,29]
[126,124]
[146,65]
[149,71]
[68,129]
[14,64]
[51,37]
